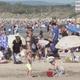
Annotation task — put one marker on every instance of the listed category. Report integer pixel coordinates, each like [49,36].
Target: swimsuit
[60,72]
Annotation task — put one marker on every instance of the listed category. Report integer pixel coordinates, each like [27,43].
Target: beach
[10,71]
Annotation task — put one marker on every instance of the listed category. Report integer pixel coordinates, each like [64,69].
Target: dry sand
[12,71]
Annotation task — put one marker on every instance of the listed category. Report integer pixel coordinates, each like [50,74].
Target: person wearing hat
[16,47]
[57,67]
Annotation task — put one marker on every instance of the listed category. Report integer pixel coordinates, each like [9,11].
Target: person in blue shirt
[54,34]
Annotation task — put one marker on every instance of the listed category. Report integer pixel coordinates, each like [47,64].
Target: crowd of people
[36,46]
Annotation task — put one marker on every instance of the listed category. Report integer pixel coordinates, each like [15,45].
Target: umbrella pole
[72,54]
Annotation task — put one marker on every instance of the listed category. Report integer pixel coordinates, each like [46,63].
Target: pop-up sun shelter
[73,28]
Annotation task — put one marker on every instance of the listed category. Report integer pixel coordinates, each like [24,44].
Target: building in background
[77,6]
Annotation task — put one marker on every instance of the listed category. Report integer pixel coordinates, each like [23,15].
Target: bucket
[49,74]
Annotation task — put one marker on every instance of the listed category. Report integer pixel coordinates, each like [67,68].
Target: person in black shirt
[16,47]
[65,32]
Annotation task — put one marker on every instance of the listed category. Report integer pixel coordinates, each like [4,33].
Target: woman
[29,32]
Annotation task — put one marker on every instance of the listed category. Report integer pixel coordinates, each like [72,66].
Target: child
[60,69]
[29,64]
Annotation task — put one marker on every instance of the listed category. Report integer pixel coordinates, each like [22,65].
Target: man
[54,34]
[16,47]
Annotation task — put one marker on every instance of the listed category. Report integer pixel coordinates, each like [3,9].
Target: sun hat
[52,60]
[17,38]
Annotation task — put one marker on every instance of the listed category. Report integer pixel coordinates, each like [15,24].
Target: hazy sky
[60,1]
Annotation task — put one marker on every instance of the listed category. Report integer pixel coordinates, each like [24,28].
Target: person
[65,32]
[22,50]
[9,30]
[4,29]
[40,37]
[2,58]
[54,34]
[16,47]
[29,32]
[60,69]
[38,46]
[8,54]
[29,63]
[47,27]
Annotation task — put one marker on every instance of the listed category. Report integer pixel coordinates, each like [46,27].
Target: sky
[59,1]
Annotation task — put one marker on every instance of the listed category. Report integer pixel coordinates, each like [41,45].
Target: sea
[22,30]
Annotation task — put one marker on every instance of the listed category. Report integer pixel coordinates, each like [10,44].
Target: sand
[10,71]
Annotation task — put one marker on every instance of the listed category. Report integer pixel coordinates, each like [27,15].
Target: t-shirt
[1,55]
[16,46]
[55,30]
[44,42]
[9,29]
[22,52]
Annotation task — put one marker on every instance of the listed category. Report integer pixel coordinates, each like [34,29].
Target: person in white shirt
[9,30]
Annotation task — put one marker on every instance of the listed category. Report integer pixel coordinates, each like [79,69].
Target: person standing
[54,34]
[29,32]
[9,30]
[16,47]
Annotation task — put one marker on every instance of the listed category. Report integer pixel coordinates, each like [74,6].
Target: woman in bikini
[29,32]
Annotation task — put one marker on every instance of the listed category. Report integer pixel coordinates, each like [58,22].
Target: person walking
[54,34]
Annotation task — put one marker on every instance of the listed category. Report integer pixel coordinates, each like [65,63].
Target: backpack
[33,46]
[34,40]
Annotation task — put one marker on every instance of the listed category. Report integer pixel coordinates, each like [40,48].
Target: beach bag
[52,48]
[33,46]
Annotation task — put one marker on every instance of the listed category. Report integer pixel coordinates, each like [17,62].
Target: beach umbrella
[12,37]
[68,42]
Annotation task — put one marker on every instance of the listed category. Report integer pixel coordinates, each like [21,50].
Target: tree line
[30,9]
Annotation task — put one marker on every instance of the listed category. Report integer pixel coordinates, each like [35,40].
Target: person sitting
[40,37]
[61,70]
[2,58]
[8,54]
[22,51]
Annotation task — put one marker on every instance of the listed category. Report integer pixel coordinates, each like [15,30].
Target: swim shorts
[29,67]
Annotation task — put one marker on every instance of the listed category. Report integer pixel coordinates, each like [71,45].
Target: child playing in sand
[60,69]
[28,65]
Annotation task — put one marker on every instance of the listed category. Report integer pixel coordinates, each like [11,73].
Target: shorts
[60,72]
[29,67]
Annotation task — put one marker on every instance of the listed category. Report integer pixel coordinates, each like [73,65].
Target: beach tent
[73,28]
[43,25]
[4,42]
[12,37]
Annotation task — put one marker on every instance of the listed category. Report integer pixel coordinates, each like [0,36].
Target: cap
[52,60]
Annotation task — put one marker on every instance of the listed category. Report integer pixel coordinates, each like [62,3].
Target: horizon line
[34,0]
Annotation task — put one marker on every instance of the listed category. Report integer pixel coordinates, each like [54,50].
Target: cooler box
[49,74]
